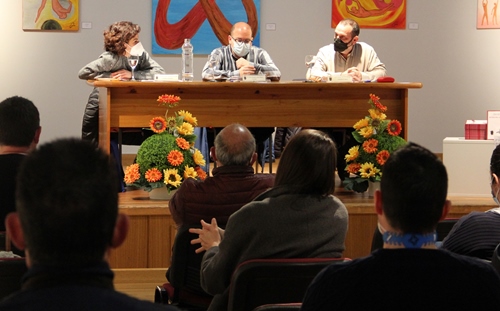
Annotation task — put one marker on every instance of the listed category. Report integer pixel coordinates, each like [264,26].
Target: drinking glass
[133,60]
[310,60]
[211,69]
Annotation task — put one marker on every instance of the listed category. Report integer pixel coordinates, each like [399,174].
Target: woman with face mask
[478,233]
[121,40]
[240,57]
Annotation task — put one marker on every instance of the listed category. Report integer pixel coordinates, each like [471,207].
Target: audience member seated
[478,233]
[67,221]
[409,273]
[298,218]
[19,134]
[232,185]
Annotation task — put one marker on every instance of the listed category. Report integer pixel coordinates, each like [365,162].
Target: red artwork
[171,35]
[371,13]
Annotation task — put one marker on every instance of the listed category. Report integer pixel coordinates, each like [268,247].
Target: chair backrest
[269,281]
[444,227]
[184,271]
[11,273]
[495,259]
[280,307]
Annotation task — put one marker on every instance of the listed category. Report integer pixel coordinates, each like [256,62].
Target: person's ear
[446,209]
[14,230]
[377,198]
[38,131]
[253,159]
[120,231]
[355,40]
[212,154]
[494,179]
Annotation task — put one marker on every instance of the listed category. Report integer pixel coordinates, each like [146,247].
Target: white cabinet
[468,165]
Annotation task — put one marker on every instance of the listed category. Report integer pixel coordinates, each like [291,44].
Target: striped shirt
[476,235]
[225,63]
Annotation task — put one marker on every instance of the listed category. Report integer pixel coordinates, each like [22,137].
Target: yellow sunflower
[185,129]
[198,158]
[361,123]
[190,172]
[368,170]
[188,117]
[366,131]
[172,177]
[353,154]
[376,114]
[171,122]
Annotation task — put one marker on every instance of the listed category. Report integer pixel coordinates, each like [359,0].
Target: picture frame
[50,15]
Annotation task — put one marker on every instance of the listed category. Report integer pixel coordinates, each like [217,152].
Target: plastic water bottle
[187,61]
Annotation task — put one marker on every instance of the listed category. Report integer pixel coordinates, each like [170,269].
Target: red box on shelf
[476,129]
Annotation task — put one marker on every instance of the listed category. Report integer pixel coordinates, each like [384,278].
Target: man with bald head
[232,185]
[240,57]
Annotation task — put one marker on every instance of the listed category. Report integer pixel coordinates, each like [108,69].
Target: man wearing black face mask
[348,56]
[240,57]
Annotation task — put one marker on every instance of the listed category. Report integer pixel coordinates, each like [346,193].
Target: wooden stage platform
[152,229]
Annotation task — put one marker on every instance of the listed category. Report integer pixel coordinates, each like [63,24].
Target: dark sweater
[218,196]
[406,279]
[70,288]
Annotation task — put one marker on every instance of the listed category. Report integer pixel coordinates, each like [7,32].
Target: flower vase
[161,194]
[372,186]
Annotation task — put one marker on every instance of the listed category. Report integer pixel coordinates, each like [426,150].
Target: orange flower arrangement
[378,137]
[168,157]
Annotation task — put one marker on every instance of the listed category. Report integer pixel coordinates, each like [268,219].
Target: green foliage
[153,154]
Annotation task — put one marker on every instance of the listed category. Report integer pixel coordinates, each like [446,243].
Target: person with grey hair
[233,182]
[298,218]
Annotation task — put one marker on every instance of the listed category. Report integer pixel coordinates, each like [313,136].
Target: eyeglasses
[246,41]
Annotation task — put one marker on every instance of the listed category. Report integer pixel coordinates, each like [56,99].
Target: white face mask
[495,197]
[137,49]
[241,49]
[380,228]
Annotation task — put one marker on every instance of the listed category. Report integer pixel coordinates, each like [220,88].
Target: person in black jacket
[67,221]
[121,40]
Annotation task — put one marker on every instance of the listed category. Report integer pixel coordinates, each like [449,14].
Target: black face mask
[339,45]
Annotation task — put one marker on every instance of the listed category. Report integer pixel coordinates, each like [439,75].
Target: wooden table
[151,232]
[152,229]
[126,104]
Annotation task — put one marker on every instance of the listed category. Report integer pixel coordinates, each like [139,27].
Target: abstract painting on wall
[487,14]
[55,15]
[371,13]
[206,22]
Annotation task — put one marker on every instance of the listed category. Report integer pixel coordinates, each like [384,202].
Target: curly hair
[118,34]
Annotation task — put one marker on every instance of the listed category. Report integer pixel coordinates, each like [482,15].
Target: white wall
[457,64]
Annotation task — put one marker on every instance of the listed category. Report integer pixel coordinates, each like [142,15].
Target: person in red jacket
[233,182]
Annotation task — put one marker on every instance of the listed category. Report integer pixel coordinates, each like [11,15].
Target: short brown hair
[118,34]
